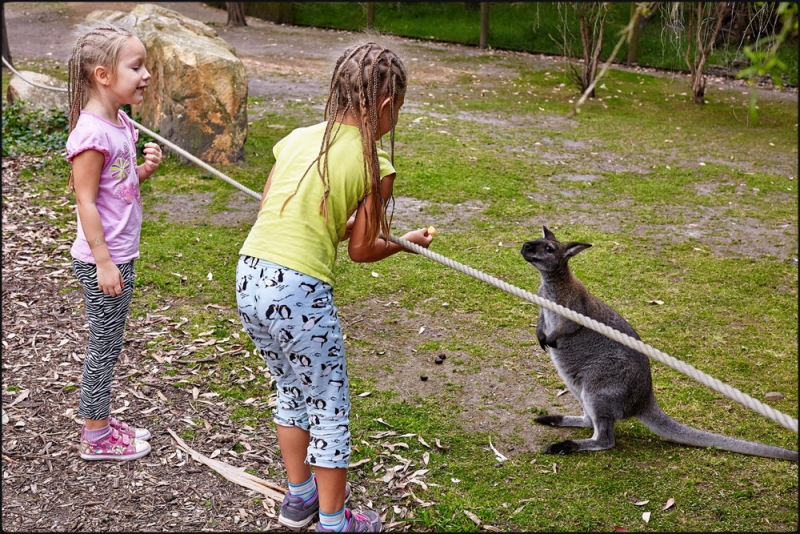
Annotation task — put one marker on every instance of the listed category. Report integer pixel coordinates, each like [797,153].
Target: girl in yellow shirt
[323,174]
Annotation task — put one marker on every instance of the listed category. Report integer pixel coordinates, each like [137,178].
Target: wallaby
[610,380]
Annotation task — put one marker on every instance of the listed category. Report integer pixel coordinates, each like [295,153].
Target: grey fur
[610,380]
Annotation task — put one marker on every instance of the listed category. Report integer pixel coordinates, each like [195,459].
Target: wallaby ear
[547,234]
[573,249]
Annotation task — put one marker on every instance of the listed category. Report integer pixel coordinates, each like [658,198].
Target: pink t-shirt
[118,200]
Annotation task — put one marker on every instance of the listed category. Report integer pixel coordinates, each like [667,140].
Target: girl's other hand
[419,237]
[109,279]
[349,228]
[152,157]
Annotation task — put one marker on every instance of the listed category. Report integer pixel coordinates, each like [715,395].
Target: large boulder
[38,97]
[197,96]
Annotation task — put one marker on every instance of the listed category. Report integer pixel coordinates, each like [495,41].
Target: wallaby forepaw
[564,447]
[552,420]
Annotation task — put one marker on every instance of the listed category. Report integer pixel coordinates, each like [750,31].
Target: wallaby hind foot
[602,439]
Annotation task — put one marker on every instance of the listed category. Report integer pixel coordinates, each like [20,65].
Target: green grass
[728,309]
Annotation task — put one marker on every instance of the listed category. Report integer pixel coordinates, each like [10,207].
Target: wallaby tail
[654,418]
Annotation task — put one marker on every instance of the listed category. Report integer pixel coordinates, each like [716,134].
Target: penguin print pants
[107,316]
[294,324]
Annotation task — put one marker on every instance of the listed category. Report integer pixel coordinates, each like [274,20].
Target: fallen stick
[234,474]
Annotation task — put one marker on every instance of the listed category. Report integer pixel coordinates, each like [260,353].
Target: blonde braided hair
[363,76]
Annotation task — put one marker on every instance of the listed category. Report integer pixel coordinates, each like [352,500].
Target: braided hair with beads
[364,76]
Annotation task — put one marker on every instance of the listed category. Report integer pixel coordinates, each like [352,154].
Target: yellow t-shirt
[299,238]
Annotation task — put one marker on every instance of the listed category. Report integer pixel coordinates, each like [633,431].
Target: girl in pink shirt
[106,71]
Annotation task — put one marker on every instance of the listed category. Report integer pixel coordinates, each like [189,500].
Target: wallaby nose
[527,247]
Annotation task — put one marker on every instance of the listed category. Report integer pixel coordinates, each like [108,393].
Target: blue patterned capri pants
[107,316]
[293,322]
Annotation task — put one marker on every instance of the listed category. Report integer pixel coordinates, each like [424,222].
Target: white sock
[334,522]
[306,490]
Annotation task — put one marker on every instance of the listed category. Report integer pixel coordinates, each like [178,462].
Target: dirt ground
[46,487]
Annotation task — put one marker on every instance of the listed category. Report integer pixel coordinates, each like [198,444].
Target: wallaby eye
[549,248]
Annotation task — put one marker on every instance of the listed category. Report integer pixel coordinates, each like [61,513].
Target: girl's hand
[152,158]
[349,228]
[419,237]
[109,279]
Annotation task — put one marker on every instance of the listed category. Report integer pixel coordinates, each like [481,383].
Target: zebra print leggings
[107,316]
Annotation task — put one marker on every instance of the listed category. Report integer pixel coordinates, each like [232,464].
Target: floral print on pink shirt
[127,190]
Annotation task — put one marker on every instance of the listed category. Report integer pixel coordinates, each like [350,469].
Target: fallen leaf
[670,504]
[365,394]
[21,397]
[360,462]
[473,517]
[646,517]
[640,503]
[620,529]
[419,438]
[498,455]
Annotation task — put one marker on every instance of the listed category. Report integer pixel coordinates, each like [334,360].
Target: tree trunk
[633,45]
[704,38]
[484,39]
[370,15]
[235,14]
[592,23]
[6,49]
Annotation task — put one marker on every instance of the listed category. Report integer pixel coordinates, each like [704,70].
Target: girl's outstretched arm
[86,168]
[361,252]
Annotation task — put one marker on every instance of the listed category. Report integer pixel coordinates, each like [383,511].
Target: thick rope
[690,371]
